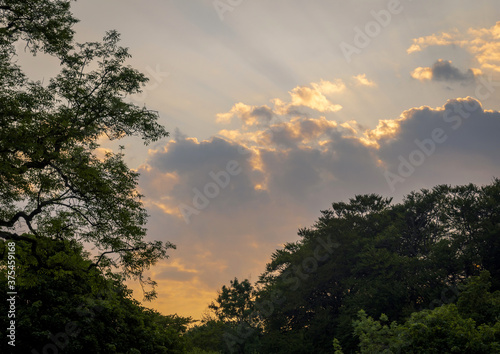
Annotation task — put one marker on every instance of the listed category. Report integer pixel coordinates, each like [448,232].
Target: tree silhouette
[53,183]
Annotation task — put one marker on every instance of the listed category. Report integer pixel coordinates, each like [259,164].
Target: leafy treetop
[52,181]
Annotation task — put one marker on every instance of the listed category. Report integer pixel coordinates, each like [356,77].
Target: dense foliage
[53,182]
[471,326]
[58,192]
[399,261]
[65,305]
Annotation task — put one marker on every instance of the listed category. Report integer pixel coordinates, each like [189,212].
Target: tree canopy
[53,181]
[407,262]
[58,192]
[471,326]
[62,306]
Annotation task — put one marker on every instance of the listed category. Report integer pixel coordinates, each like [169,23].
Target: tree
[65,307]
[405,263]
[382,258]
[235,308]
[476,302]
[445,329]
[52,181]
[207,336]
[43,24]
[234,303]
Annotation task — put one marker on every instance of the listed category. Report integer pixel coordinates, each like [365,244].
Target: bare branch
[15,237]
[96,264]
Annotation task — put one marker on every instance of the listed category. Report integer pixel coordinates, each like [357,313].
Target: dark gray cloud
[443,70]
[197,164]
[263,113]
[468,128]
[186,154]
[454,144]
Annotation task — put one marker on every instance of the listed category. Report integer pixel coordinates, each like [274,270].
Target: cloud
[299,158]
[435,40]
[250,115]
[175,271]
[422,73]
[483,43]
[312,97]
[101,153]
[328,87]
[361,80]
[469,130]
[443,70]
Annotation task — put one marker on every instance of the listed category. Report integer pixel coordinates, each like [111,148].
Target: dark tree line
[404,262]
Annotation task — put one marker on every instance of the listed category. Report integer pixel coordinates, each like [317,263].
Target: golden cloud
[184,298]
[329,87]
[167,209]
[422,73]
[238,110]
[386,128]
[434,39]
[312,98]
[361,80]
[483,43]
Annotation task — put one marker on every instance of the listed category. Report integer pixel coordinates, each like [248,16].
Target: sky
[277,109]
